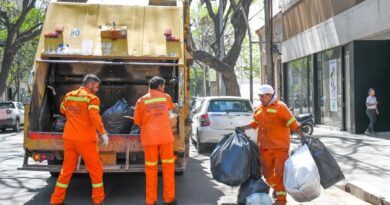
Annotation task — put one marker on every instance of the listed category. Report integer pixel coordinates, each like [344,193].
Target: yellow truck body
[125,46]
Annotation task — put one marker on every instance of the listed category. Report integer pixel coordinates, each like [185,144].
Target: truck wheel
[16,127]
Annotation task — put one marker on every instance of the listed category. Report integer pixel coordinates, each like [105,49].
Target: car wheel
[3,129]
[16,127]
[201,147]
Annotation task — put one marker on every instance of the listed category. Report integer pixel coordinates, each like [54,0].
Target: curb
[363,195]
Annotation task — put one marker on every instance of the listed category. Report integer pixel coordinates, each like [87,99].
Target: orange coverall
[274,122]
[81,109]
[151,114]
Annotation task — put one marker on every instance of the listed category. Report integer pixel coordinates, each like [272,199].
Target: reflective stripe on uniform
[78,99]
[97,185]
[258,111]
[150,163]
[59,184]
[93,106]
[271,110]
[291,121]
[168,161]
[279,193]
[154,100]
[62,106]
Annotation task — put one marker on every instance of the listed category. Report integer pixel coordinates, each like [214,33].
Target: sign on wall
[333,85]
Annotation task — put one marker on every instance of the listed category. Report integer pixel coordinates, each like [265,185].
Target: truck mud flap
[132,168]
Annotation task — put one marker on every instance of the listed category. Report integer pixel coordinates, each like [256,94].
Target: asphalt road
[194,187]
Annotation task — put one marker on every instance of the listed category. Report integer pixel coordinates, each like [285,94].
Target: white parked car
[220,115]
[11,115]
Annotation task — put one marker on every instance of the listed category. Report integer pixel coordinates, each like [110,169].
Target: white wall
[367,20]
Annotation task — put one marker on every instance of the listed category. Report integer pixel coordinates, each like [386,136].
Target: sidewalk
[364,160]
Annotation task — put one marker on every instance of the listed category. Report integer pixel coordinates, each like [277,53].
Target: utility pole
[250,55]
[268,41]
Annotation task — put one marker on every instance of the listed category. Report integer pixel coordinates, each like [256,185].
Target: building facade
[333,51]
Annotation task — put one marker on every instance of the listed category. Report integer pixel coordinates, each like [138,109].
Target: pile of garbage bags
[114,119]
[251,190]
[235,162]
[308,168]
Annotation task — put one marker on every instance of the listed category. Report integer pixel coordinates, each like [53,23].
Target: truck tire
[16,127]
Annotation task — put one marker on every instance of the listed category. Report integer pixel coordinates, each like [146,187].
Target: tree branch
[4,18]
[27,6]
[210,9]
[211,61]
[28,35]
[240,28]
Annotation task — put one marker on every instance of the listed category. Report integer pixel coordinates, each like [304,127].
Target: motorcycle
[307,123]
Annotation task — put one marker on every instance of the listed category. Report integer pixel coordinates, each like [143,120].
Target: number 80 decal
[75,32]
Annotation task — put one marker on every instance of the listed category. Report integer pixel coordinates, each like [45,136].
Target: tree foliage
[205,38]
[20,22]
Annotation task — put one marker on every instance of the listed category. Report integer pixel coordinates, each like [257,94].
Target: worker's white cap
[266,89]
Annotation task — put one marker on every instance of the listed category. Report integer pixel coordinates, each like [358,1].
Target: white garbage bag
[301,178]
[258,199]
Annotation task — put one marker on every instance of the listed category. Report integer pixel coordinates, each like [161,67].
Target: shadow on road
[194,187]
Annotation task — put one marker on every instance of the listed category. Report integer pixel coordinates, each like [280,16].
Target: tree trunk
[232,87]
[5,68]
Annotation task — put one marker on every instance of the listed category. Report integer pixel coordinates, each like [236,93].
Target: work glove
[105,139]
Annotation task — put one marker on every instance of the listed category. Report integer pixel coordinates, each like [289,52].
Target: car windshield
[5,105]
[230,106]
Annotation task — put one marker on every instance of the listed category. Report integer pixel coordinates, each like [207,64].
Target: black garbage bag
[230,161]
[114,120]
[59,123]
[249,187]
[135,130]
[255,172]
[329,170]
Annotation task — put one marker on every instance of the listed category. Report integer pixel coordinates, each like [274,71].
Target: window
[299,91]
[20,106]
[230,106]
[5,105]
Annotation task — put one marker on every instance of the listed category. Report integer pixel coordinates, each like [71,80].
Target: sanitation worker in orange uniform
[151,113]
[274,121]
[83,125]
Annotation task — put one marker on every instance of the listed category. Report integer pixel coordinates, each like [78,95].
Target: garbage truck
[125,46]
